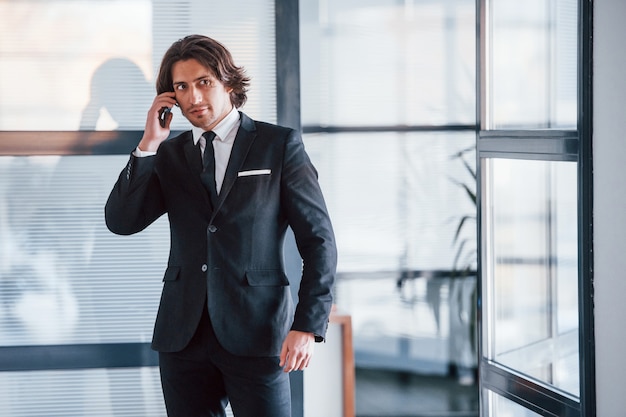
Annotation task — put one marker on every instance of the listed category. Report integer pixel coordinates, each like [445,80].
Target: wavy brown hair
[211,54]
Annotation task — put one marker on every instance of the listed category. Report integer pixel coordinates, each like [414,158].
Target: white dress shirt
[225,133]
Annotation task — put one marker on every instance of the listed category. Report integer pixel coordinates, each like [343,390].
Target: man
[226,329]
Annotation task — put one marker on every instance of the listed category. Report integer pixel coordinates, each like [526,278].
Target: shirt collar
[222,129]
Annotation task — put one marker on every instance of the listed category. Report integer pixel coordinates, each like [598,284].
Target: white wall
[323,379]
[609,160]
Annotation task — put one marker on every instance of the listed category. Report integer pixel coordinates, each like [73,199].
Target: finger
[300,361]
[283,355]
[295,361]
[167,97]
[292,363]
[304,363]
[165,100]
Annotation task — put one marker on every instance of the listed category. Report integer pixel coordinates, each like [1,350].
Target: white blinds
[80,393]
[91,64]
[64,278]
[94,393]
[68,65]
[126,392]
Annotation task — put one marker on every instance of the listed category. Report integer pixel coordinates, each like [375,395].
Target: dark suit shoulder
[264,128]
[178,140]
[174,147]
[272,129]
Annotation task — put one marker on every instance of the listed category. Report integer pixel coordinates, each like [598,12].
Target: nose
[195,95]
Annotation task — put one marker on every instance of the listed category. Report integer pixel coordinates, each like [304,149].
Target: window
[77,303]
[532,272]
[91,64]
[534,205]
[388,111]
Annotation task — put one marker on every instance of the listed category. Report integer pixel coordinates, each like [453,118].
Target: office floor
[393,394]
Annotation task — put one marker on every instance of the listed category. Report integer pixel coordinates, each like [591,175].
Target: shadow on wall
[120,96]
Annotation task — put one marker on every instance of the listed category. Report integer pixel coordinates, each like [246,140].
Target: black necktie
[208,162]
[208,155]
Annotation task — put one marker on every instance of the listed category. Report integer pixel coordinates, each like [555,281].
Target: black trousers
[200,380]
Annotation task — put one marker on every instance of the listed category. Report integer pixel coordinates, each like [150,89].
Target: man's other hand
[297,351]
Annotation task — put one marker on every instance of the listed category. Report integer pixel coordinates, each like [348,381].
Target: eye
[206,82]
[180,87]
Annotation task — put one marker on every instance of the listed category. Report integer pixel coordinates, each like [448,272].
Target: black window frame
[552,145]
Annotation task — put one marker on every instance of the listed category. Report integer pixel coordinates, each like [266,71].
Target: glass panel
[496,405]
[64,278]
[397,199]
[132,392]
[387,62]
[531,268]
[420,325]
[123,392]
[91,64]
[55,251]
[532,69]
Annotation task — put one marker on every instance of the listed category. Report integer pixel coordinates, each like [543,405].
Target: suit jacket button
[212,228]
[204,268]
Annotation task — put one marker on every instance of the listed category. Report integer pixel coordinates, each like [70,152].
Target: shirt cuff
[140,154]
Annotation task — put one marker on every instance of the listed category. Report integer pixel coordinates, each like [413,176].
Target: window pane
[91,64]
[64,278]
[386,62]
[531,294]
[532,62]
[132,392]
[120,392]
[56,252]
[397,199]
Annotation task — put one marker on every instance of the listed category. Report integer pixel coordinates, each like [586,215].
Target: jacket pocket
[253,179]
[267,278]
[171,273]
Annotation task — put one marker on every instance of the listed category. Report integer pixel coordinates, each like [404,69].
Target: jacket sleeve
[135,201]
[308,217]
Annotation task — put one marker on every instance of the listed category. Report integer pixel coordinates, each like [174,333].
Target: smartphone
[163,115]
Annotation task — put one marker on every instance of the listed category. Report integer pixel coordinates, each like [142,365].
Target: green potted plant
[463,285]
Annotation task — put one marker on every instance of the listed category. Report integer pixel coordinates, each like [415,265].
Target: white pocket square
[254,172]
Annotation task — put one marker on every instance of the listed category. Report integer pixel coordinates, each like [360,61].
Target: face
[202,98]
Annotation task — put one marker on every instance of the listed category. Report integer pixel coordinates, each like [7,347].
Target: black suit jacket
[229,251]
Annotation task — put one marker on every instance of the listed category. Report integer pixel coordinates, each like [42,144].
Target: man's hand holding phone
[158,121]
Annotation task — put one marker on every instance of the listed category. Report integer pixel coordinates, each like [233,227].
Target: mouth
[198,111]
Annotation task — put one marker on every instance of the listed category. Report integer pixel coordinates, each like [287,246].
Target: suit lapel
[192,154]
[243,140]
[194,162]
